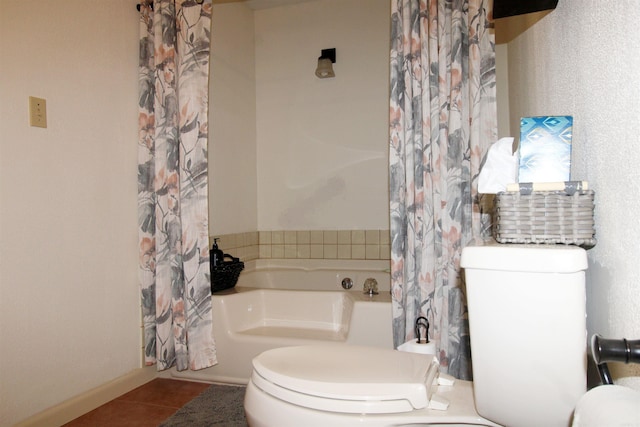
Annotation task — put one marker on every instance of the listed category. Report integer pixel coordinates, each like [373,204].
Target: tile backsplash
[307,244]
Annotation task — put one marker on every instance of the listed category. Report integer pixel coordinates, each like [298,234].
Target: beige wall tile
[344,237]
[277,237]
[277,251]
[265,251]
[303,237]
[330,237]
[316,237]
[372,237]
[290,251]
[330,251]
[302,244]
[384,237]
[344,251]
[373,251]
[317,251]
[385,252]
[265,238]
[358,252]
[290,237]
[230,241]
[358,237]
[304,251]
[252,238]
[253,252]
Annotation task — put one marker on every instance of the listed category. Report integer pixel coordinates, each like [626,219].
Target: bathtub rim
[276,273]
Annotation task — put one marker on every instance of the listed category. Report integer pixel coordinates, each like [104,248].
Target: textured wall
[582,60]
[69,300]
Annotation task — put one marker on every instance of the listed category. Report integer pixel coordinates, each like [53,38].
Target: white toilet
[528,342]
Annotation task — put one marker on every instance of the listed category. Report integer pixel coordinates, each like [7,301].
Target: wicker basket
[225,275]
[545,217]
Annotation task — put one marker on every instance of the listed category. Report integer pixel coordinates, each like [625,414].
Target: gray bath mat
[217,405]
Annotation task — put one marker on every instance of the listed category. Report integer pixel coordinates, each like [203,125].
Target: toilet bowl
[528,341]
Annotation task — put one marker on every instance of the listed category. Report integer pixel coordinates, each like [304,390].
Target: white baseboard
[86,402]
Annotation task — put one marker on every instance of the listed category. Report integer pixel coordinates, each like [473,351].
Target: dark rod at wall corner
[151,4]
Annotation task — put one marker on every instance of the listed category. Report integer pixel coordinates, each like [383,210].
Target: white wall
[232,126]
[581,60]
[69,304]
[323,143]
[502,90]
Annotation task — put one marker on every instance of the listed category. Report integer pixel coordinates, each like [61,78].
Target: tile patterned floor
[147,405]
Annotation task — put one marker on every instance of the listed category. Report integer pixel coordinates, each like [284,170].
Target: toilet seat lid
[345,378]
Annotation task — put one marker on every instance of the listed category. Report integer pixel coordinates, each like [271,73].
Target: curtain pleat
[442,120]
[173,184]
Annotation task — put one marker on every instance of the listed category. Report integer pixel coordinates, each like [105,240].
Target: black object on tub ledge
[225,269]
[606,350]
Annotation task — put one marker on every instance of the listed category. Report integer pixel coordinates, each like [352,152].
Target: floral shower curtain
[172,183]
[442,120]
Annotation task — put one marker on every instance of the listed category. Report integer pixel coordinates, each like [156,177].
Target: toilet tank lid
[524,258]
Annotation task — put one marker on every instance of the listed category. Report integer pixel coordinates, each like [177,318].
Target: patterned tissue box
[545,149]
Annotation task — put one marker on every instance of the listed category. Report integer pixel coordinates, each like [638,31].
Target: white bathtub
[279,303]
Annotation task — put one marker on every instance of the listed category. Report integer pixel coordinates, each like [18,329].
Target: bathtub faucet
[347,283]
[370,287]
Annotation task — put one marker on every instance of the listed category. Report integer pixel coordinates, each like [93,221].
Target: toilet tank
[528,331]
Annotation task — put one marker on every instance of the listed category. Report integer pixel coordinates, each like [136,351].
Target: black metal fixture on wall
[505,8]
[326,58]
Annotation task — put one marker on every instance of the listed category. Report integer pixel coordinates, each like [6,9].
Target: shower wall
[232,121]
[307,154]
[322,143]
